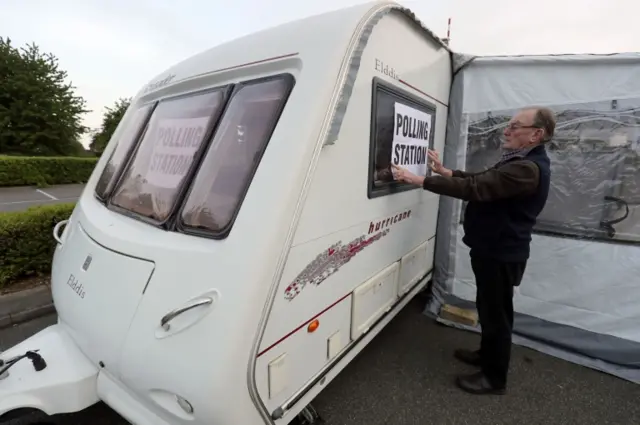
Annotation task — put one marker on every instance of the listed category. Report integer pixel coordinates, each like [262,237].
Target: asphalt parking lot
[23,197]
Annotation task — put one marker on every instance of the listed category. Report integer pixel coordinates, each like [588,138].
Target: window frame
[169,222]
[410,99]
[224,232]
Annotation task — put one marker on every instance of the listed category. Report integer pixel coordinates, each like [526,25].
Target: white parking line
[22,202]
[38,201]
[46,194]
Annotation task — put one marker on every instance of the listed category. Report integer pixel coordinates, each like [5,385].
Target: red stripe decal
[303,325]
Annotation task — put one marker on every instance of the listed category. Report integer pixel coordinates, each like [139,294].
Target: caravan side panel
[352,229]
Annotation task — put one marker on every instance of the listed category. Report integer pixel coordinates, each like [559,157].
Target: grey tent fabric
[580,297]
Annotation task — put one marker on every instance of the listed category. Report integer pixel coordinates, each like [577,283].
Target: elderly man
[504,202]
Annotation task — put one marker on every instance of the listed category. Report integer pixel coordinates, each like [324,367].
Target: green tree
[39,112]
[110,120]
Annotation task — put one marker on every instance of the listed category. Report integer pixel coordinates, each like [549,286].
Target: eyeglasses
[515,126]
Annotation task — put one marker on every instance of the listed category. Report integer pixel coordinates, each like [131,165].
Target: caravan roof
[337,29]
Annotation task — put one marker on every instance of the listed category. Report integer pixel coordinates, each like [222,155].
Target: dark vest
[502,229]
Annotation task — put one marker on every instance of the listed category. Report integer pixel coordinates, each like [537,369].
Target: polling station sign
[411,135]
[176,143]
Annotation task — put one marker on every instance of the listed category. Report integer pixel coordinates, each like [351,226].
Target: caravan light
[313,325]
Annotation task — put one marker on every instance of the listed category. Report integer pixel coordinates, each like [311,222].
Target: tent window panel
[595,181]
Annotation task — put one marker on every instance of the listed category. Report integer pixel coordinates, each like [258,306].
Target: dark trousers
[495,281]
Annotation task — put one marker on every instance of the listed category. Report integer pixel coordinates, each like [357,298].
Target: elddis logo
[75,284]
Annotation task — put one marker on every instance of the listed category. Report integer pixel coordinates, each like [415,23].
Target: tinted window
[166,153]
[388,103]
[233,155]
[122,151]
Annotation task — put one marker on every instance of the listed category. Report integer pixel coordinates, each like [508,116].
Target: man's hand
[436,164]
[403,175]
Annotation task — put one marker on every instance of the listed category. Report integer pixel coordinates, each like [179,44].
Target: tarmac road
[405,377]
[23,197]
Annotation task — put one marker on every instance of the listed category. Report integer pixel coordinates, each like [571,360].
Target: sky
[111,48]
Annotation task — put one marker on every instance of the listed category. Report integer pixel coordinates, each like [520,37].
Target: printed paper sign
[176,142]
[411,134]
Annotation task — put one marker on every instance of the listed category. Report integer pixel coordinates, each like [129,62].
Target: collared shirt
[508,154]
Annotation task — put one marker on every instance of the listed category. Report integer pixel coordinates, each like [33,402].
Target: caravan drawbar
[242,239]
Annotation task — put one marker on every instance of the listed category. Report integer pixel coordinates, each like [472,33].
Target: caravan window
[122,151]
[164,157]
[387,101]
[233,155]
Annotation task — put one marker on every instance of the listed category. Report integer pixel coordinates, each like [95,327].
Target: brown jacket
[515,178]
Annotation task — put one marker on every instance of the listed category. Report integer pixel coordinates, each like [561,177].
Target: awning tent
[580,297]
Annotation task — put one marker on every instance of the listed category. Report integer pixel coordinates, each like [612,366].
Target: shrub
[44,171]
[26,241]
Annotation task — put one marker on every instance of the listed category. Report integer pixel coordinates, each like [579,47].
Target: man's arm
[512,179]
[465,174]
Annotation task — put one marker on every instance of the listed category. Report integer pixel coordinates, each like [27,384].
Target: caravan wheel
[309,416]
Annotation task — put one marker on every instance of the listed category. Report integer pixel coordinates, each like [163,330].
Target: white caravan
[241,238]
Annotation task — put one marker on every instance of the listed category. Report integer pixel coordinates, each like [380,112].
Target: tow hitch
[36,360]
[57,377]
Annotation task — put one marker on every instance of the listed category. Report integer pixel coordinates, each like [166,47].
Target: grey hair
[544,119]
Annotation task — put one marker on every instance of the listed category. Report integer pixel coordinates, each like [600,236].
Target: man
[504,202]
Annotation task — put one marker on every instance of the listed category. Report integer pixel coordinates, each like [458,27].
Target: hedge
[26,241]
[44,171]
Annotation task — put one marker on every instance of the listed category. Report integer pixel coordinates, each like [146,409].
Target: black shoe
[478,384]
[468,356]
